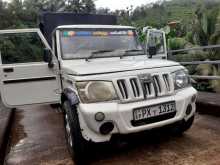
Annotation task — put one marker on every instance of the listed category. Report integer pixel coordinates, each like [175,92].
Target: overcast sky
[118,4]
[121,4]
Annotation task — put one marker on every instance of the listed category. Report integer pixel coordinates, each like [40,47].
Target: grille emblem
[145,78]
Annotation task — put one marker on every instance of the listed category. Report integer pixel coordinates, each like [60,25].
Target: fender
[71,96]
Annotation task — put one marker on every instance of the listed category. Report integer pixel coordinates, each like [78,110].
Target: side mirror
[152,51]
[48,57]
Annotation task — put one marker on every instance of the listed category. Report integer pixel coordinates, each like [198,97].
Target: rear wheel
[77,145]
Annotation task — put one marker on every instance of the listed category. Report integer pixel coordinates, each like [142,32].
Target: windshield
[86,43]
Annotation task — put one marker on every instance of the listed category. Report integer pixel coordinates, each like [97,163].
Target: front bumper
[121,115]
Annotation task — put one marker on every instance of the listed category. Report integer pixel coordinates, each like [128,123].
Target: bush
[176,43]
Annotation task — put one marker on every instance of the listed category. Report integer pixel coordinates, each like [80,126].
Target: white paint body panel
[122,114]
[40,92]
[99,66]
[118,112]
[29,83]
[24,93]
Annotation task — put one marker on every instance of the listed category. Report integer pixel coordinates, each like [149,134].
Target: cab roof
[94,27]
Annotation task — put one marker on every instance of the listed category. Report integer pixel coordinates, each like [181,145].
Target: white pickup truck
[105,81]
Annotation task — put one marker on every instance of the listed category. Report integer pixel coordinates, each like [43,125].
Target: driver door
[24,76]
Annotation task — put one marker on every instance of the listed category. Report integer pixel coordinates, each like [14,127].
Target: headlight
[96,91]
[181,79]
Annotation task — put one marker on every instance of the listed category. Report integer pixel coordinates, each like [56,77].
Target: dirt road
[38,138]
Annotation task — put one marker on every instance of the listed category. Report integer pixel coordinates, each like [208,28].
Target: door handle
[7,70]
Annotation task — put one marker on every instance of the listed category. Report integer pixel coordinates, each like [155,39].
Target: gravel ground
[37,137]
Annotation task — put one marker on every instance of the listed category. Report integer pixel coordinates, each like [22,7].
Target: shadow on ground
[38,138]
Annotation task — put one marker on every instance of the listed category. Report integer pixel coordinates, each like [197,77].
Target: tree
[88,6]
[16,14]
[103,11]
[80,6]
[1,5]
[24,13]
[206,26]
[4,15]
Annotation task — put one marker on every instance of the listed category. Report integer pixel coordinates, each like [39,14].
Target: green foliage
[176,43]
[189,37]
[210,85]
[24,13]
[80,6]
[189,57]
[20,48]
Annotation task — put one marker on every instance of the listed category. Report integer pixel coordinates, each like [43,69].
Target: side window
[21,48]
[156,39]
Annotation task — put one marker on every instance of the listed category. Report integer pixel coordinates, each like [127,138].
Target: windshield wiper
[131,50]
[99,52]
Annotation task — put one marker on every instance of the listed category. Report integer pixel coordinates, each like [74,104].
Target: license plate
[153,111]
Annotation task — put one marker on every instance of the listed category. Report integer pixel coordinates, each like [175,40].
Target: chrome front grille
[167,82]
[122,86]
[129,89]
[135,87]
[157,84]
[148,89]
[144,86]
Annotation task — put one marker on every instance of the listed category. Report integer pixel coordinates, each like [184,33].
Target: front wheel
[183,126]
[77,145]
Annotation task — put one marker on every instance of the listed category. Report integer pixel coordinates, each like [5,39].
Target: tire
[77,145]
[182,127]
[54,106]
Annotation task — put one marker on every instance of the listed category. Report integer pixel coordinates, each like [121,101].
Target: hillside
[160,14]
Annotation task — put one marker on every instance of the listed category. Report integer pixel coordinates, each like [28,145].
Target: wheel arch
[70,95]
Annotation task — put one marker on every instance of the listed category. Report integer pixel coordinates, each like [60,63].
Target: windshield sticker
[116,33]
[69,33]
[83,33]
[130,33]
[98,33]
[65,34]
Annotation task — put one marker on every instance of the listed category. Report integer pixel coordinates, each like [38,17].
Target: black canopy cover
[49,21]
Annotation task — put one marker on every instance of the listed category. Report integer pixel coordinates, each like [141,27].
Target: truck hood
[101,67]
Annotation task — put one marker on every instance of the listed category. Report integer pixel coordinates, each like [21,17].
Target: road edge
[6,123]
[208,108]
